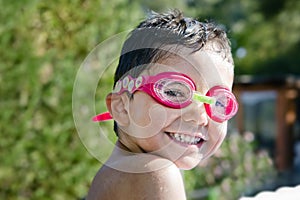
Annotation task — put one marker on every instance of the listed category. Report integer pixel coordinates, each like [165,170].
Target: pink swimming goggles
[177,90]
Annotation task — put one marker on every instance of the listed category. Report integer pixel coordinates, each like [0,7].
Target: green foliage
[234,170]
[271,41]
[264,34]
[43,44]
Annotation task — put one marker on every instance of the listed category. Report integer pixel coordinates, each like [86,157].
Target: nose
[195,113]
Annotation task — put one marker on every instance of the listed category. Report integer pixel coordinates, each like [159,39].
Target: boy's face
[164,131]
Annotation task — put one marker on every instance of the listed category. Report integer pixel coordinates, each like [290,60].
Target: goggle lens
[225,105]
[173,93]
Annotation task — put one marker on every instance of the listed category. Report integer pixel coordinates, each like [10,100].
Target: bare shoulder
[165,183]
[153,183]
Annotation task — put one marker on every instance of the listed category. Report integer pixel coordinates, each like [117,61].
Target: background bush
[43,43]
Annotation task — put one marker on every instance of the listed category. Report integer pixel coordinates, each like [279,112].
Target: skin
[146,157]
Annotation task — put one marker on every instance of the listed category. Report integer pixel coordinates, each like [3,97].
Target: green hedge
[42,45]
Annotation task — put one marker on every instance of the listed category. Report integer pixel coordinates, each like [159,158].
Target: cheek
[139,109]
[147,118]
[217,133]
[151,144]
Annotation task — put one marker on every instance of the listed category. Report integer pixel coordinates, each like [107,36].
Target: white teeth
[185,138]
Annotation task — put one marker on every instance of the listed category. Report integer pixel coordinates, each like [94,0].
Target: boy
[171,102]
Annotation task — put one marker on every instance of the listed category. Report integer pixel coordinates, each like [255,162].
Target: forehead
[205,68]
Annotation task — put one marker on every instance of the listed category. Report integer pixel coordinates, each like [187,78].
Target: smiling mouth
[185,139]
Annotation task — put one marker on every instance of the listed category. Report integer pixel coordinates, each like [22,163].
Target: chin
[187,163]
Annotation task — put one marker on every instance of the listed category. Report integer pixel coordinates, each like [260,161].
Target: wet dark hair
[150,40]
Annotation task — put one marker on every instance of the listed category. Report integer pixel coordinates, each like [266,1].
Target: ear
[117,107]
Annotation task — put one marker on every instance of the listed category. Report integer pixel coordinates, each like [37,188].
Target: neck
[128,145]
